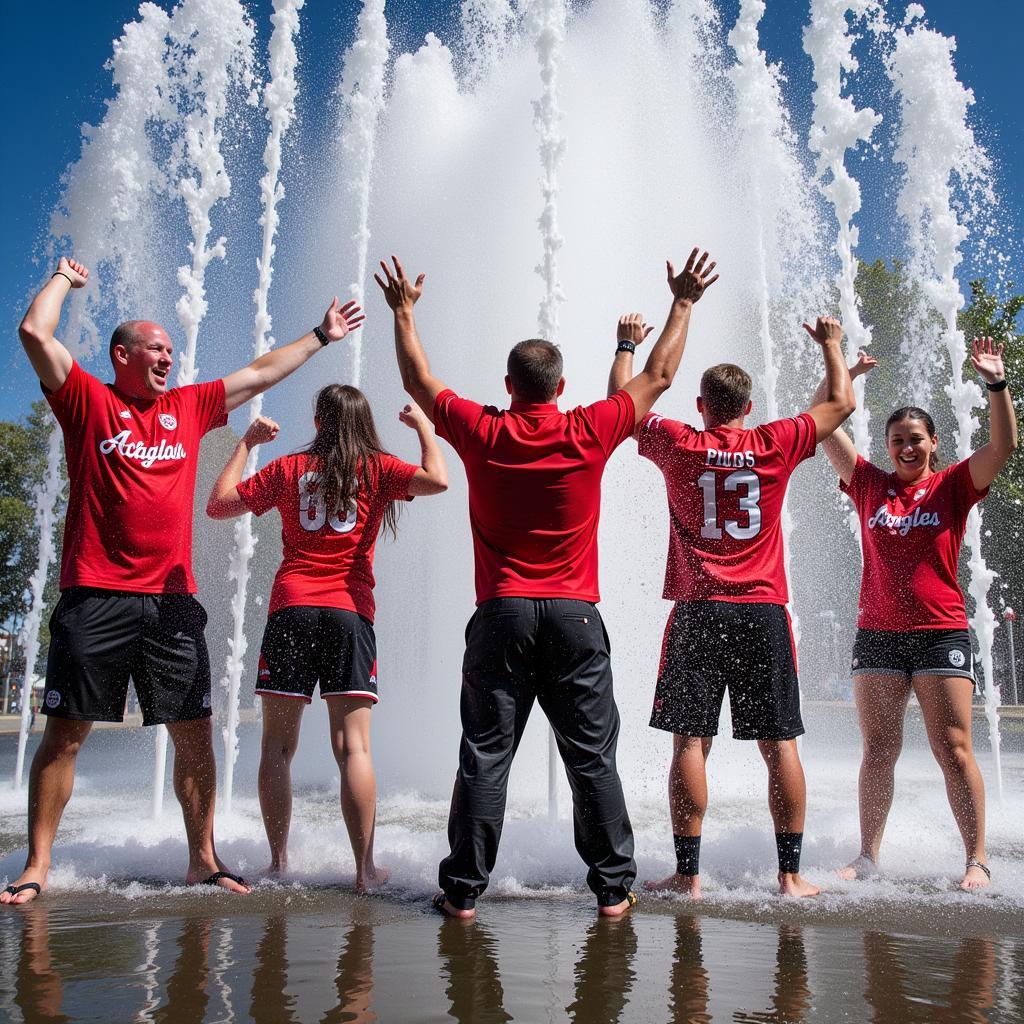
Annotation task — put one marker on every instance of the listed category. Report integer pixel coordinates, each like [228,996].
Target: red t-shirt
[725,490]
[132,469]
[534,477]
[328,560]
[911,537]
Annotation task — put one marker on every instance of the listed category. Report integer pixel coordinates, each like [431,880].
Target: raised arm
[224,502]
[988,461]
[432,476]
[278,363]
[631,331]
[401,295]
[838,447]
[49,358]
[837,400]
[657,375]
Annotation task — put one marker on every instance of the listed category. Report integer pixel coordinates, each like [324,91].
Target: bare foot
[618,909]
[688,885]
[372,880]
[201,874]
[440,902]
[28,877]
[276,869]
[975,877]
[861,867]
[791,884]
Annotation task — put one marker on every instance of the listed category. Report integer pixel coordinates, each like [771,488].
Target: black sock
[789,845]
[687,854]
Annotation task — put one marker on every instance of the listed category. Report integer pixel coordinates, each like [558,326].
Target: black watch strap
[321,337]
[625,346]
[998,385]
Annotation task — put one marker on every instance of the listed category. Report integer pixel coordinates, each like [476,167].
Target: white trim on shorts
[351,693]
[284,693]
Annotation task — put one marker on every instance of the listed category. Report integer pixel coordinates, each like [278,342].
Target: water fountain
[436,158]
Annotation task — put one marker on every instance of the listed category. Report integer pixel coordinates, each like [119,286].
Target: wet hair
[725,390]
[535,368]
[125,334]
[913,412]
[346,449]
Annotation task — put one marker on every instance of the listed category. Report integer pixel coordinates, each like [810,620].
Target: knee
[954,754]
[351,749]
[883,749]
[277,750]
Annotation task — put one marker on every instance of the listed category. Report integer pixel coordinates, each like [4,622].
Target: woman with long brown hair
[334,496]
[912,634]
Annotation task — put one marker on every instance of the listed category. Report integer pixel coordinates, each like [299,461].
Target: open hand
[827,329]
[865,363]
[340,320]
[987,358]
[261,430]
[632,328]
[691,283]
[413,416]
[77,273]
[399,291]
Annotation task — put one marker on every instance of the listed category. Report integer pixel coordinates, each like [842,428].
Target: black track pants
[555,651]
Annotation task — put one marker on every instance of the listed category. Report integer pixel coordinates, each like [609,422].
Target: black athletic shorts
[100,638]
[747,648]
[303,645]
[916,652]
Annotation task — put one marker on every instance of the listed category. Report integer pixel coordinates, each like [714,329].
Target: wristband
[60,273]
[999,385]
[321,337]
[625,346]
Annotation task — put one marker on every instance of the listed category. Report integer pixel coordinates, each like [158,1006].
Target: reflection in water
[792,996]
[270,1004]
[354,980]
[467,951]
[604,971]
[688,985]
[187,995]
[38,989]
[898,997]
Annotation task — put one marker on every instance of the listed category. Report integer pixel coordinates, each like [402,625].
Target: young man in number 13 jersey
[729,627]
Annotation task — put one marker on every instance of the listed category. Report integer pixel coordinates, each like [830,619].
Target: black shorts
[916,652]
[303,645]
[100,638]
[747,648]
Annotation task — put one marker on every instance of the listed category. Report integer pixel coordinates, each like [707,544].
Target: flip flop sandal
[973,862]
[13,890]
[218,875]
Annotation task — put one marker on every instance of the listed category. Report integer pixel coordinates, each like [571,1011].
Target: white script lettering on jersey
[903,524]
[734,460]
[147,454]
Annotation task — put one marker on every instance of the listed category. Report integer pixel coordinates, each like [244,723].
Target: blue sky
[53,57]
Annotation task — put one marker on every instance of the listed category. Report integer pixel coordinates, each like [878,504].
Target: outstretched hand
[261,430]
[691,283]
[987,358]
[632,328]
[341,320]
[865,363]
[77,273]
[399,291]
[827,329]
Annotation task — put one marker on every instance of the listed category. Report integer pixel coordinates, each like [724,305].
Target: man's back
[534,476]
[726,488]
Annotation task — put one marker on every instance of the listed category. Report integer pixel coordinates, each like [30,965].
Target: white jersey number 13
[748,503]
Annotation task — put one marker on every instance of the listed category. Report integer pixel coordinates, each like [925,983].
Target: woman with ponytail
[334,496]
[912,627]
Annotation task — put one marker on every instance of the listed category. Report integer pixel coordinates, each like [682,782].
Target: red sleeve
[864,480]
[455,418]
[965,494]
[264,490]
[70,401]
[612,419]
[657,438]
[395,478]
[208,406]
[796,438]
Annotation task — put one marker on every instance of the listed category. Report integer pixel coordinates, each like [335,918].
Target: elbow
[439,484]
[214,509]
[29,332]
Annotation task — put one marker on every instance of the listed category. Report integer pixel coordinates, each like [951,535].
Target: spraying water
[939,152]
[279,108]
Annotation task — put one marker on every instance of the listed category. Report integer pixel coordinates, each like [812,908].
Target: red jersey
[725,490]
[534,476]
[328,560]
[132,470]
[911,535]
